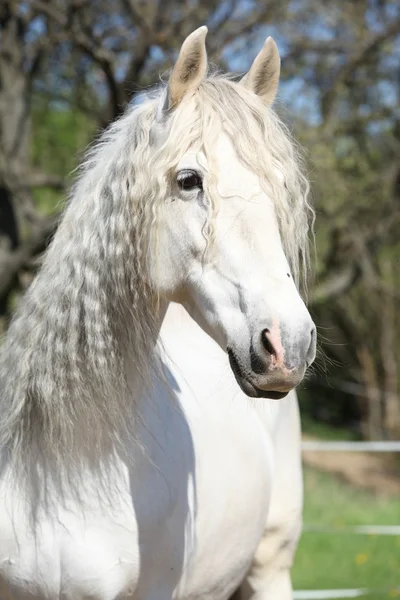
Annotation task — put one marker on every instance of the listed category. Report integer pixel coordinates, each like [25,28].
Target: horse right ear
[189,69]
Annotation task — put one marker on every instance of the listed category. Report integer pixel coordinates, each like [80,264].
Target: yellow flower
[361,559]
[394,593]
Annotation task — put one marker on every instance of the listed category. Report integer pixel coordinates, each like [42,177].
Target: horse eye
[189,180]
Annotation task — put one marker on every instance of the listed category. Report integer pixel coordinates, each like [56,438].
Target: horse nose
[302,352]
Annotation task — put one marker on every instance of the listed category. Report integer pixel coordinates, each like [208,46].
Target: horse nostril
[271,342]
[311,348]
[267,343]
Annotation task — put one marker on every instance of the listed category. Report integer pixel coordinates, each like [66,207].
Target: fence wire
[389,592]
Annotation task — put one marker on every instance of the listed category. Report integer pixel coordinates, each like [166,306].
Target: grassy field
[341,560]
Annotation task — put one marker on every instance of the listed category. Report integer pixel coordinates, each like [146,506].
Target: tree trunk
[373,426]
[389,365]
[16,203]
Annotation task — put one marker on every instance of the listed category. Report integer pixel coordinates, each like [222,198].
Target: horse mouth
[247,386]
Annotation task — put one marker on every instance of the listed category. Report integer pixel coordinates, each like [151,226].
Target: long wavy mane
[89,319]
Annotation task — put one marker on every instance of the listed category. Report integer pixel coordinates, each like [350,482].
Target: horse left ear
[263,77]
[189,69]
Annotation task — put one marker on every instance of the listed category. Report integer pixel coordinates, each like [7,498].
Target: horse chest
[233,485]
[210,468]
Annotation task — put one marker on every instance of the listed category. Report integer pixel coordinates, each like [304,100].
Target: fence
[338,594]
[336,446]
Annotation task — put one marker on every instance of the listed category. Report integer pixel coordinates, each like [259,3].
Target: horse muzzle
[273,368]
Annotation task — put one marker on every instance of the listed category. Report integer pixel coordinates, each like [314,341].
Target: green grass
[342,560]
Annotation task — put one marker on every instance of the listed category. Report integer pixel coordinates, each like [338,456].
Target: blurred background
[69,67]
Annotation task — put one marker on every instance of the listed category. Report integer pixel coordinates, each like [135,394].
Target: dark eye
[189,180]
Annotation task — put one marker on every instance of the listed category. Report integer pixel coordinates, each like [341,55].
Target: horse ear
[189,69]
[263,77]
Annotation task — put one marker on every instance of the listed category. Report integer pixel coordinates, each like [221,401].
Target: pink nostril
[271,341]
[266,342]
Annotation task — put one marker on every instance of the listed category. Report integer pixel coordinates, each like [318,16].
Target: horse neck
[137,384]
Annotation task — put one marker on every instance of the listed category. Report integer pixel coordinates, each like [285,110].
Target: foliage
[61,135]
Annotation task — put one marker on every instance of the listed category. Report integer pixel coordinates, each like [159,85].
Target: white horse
[134,464]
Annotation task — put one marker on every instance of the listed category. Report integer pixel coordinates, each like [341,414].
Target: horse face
[235,281]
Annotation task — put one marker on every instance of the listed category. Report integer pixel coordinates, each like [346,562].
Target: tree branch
[335,285]
[344,73]
[37,180]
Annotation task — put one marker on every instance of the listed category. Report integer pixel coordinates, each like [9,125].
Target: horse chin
[247,387]
[253,392]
